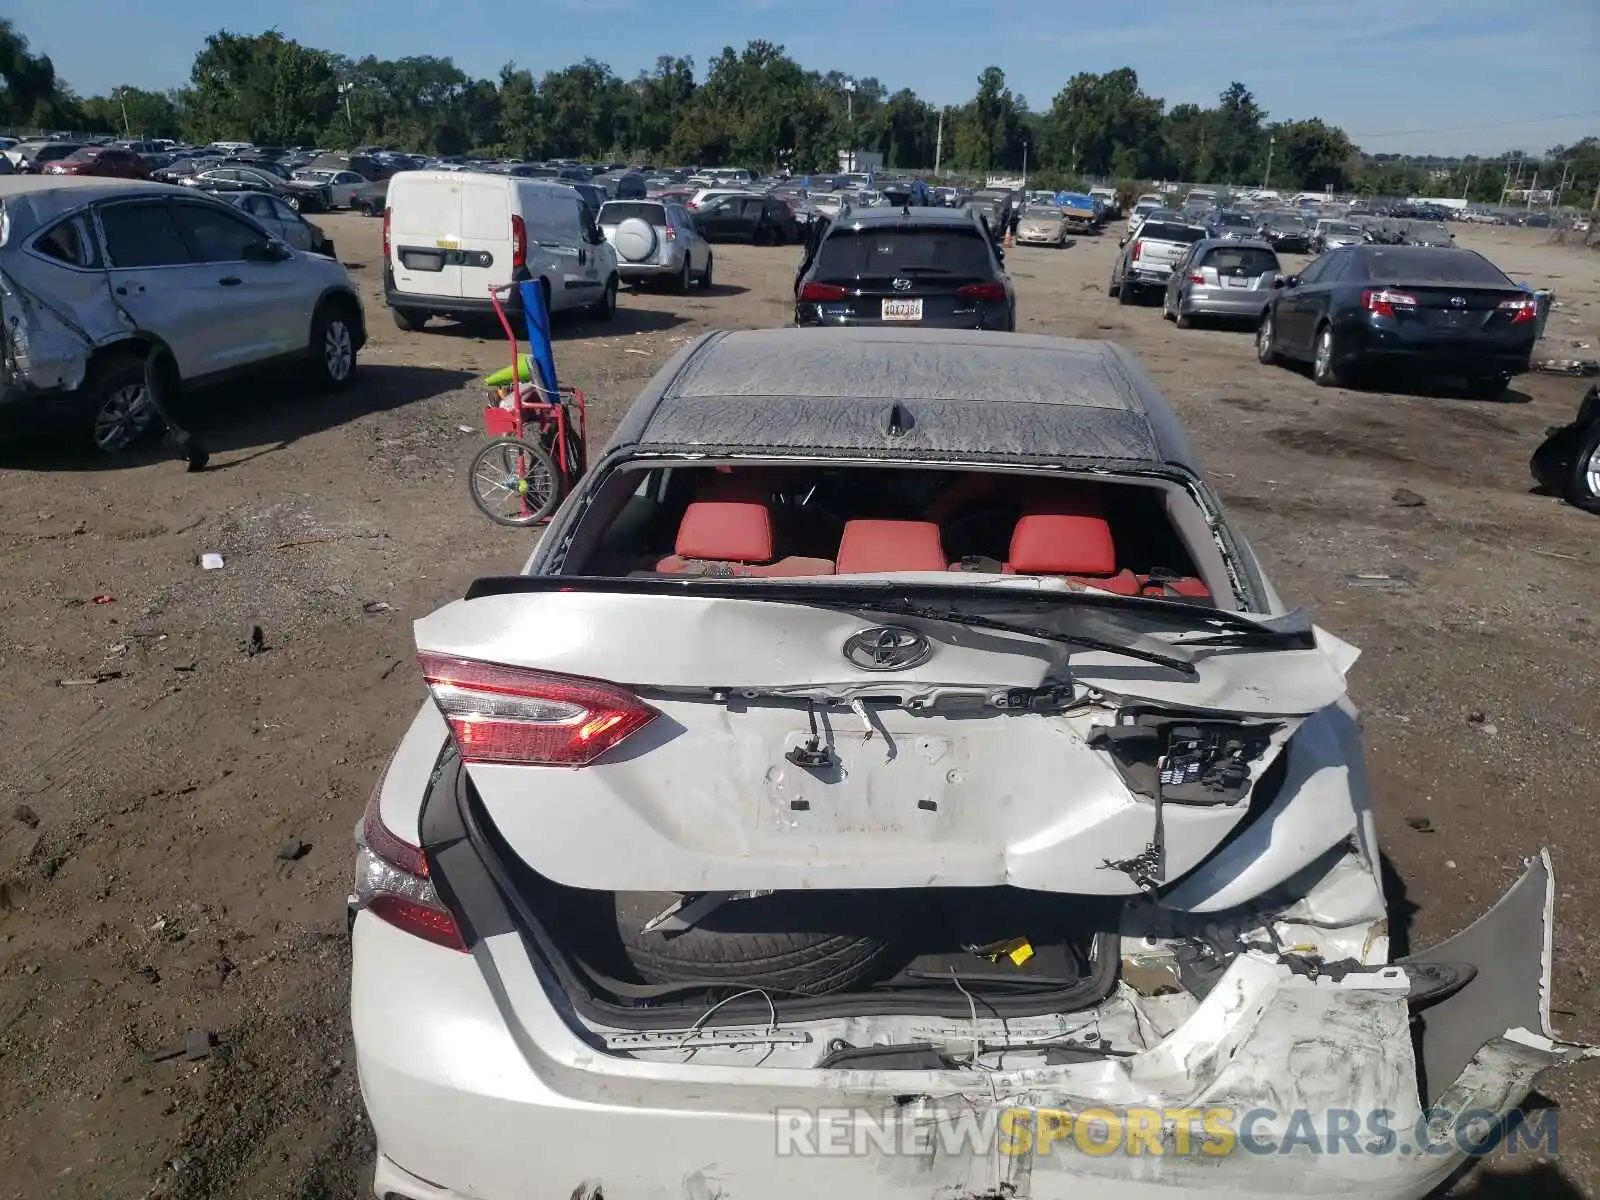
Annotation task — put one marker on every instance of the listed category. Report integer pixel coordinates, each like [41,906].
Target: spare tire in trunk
[794,944]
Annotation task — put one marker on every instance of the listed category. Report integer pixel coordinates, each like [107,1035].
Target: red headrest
[1063,544]
[868,547]
[726,531]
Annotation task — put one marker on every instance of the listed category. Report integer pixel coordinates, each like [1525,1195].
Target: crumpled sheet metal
[42,352]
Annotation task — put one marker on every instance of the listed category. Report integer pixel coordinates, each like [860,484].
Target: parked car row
[1361,310]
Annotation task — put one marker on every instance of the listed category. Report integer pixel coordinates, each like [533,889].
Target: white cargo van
[449,235]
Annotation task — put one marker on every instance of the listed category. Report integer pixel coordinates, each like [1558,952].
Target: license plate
[422,260]
[1452,320]
[1233,281]
[902,310]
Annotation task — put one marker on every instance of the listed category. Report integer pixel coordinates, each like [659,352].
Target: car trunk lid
[1456,309]
[772,758]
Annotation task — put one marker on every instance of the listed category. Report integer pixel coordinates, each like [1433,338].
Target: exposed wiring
[772,1014]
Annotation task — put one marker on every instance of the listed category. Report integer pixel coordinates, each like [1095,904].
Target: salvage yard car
[1220,277]
[656,242]
[922,266]
[95,273]
[892,744]
[1043,225]
[1363,312]
[1147,257]
[449,236]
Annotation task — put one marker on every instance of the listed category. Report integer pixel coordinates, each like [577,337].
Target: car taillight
[1196,277]
[1383,302]
[393,884]
[669,233]
[1523,309]
[1138,249]
[516,715]
[519,242]
[982,291]
[387,213]
[814,292]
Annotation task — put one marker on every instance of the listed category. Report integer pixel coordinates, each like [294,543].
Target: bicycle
[516,480]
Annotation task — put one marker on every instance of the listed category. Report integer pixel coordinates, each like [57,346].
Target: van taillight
[519,242]
[387,213]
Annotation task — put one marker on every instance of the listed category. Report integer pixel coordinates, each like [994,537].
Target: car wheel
[705,280]
[1111,288]
[1124,293]
[805,963]
[606,307]
[408,320]
[117,402]
[682,281]
[1182,319]
[1325,370]
[333,346]
[293,202]
[1266,340]
[1583,489]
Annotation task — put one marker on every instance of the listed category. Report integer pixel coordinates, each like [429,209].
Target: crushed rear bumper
[1280,1083]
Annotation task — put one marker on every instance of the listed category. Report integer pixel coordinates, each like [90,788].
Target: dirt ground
[175,814]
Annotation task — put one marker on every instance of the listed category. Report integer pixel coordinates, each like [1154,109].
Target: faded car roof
[31,201]
[971,394]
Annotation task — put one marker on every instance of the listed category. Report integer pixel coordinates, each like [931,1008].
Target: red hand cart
[518,479]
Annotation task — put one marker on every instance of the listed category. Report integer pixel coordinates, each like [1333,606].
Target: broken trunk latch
[812,754]
[1143,868]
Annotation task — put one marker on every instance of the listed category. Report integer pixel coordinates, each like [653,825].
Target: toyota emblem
[1458,301]
[902,285]
[887,648]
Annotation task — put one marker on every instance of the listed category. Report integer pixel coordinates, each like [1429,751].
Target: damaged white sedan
[892,776]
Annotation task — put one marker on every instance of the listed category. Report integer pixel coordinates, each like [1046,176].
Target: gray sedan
[1221,278]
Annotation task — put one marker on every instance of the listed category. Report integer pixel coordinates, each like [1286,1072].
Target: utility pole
[122,102]
[1272,143]
[938,144]
[1024,162]
[1527,196]
[1561,188]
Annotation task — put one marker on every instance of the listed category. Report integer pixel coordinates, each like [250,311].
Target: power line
[1477,125]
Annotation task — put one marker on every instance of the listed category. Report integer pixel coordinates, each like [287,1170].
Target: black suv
[902,266]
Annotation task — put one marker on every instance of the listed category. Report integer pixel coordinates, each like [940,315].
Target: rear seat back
[1073,541]
[733,538]
[872,547]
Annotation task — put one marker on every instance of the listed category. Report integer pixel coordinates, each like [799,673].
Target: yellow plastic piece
[1020,953]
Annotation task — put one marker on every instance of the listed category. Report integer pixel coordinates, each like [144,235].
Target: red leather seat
[873,547]
[732,538]
[1174,587]
[1077,545]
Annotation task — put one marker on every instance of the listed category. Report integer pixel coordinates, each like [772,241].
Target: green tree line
[755,107]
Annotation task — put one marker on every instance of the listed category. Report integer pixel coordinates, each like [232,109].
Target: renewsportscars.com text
[1214,1132]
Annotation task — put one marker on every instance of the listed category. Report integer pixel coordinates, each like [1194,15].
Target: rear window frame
[659,210]
[838,232]
[1277,263]
[1408,256]
[1148,232]
[88,234]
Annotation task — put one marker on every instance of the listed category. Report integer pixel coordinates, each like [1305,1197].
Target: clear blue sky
[1464,76]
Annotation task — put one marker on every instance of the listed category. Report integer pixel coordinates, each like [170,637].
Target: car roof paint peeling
[977,395]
